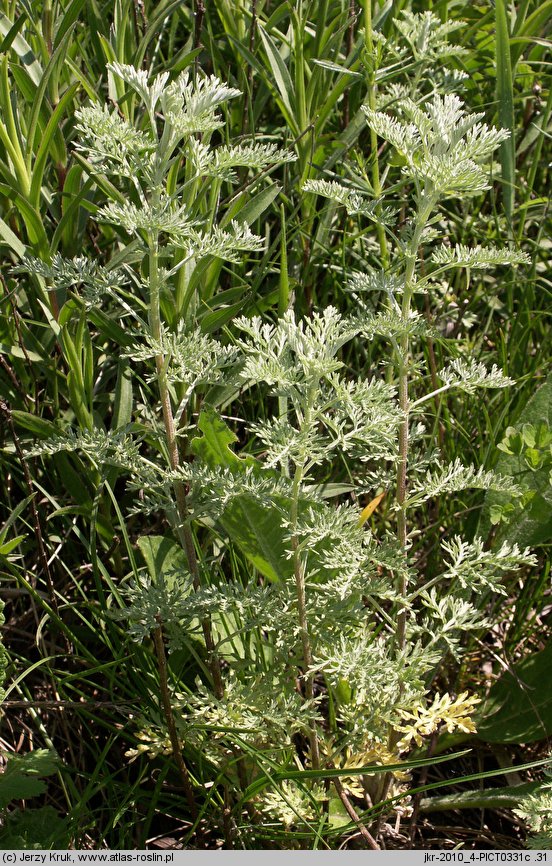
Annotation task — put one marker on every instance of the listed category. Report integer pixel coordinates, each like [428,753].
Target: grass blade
[505,99]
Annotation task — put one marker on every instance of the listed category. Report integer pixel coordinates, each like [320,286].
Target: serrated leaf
[214,446]
[36,829]
[23,775]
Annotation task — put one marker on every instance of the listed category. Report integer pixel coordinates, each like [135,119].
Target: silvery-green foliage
[470,375]
[536,810]
[111,142]
[418,53]
[299,360]
[444,151]
[260,707]
[190,359]
[355,582]
[477,257]
[92,279]
[442,144]
[452,478]
[449,618]
[356,202]
[390,324]
[426,35]
[476,568]
[219,163]
[101,447]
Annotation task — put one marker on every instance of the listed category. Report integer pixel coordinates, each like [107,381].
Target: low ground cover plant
[291,648]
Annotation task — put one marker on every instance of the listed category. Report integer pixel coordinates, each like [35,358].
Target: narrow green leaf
[160,13]
[8,40]
[37,426]
[23,50]
[39,96]
[33,224]
[247,210]
[281,77]
[534,25]
[335,67]
[70,16]
[17,511]
[10,545]
[122,408]
[375,769]
[505,99]
[485,798]
[12,240]
[47,136]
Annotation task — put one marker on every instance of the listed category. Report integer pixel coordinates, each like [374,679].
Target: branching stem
[403,374]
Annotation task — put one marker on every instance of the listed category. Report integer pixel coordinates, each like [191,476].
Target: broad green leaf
[518,708]
[253,527]
[36,829]
[213,447]
[533,525]
[257,532]
[164,557]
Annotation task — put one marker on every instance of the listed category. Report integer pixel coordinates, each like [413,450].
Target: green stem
[353,815]
[403,373]
[300,586]
[184,530]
